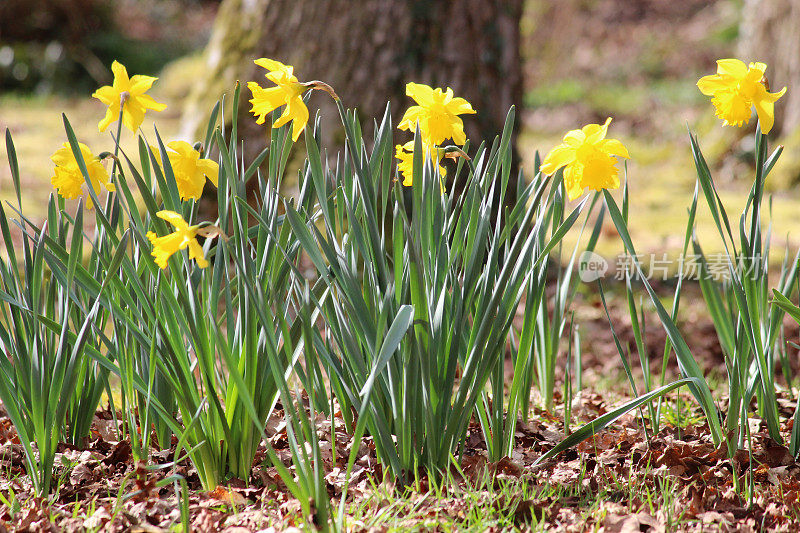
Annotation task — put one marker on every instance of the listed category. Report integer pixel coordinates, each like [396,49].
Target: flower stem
[116,138]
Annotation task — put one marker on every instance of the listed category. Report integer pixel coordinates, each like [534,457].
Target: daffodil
[588,158]
[405,156]
[128,93]
[190,169]
[68,179]
[184,236]
[287,91]
[437,114]
[736,88]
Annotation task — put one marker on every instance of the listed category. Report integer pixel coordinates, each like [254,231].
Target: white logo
[591,267]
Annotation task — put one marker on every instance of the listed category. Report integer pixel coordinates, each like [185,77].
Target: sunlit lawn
[660,173]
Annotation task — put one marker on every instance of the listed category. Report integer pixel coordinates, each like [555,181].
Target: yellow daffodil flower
[589,159]
[736,88]
[129,93]
[287,91]
[405,155]
[184,236]
[68,180]
[190,170]
[437,114]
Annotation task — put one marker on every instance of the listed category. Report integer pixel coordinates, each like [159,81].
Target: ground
[623,480]
[636,61]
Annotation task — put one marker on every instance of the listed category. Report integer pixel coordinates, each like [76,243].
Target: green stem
[116,139]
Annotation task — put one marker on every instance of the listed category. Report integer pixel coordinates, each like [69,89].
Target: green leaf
[600,423]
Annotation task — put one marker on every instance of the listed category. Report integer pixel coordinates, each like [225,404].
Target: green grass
[613,98]
[529,502]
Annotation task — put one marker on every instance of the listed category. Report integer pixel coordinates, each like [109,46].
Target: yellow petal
[404,164]
[164,247]
[709,85]
[210,169]
[614,147]
[121,80]
[132,114]
[147,102]
[599,172]
[558,157]
[285,117]
[765,110]
[265,101]
[140,84]
[572,182]
[411,117]
[63,156]
[99,174]
[173,218]
[574,138]
[299,113]
[458,135]
[774,96]
[595,132]
[188,188]
[196,253]
[86,153]
[732,67]
[421,93]
[271,64]
[112,114]
[183,148]
[107,95]
[459,106]
[758,67]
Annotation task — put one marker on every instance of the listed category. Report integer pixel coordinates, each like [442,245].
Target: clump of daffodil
[405,155]
[736,88]
[68,179]
[184,236]
[287,91]
[129,95]
[588,158]
[436,113]
[190,170]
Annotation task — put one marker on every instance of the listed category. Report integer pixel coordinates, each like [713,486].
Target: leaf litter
[621,480]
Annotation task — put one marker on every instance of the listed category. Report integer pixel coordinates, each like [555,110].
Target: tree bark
[770,32]
[367,51]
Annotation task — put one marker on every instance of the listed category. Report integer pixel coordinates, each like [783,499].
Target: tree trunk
[367,51]
[770,32]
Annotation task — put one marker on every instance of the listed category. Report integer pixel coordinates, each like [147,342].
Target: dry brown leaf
[225,495]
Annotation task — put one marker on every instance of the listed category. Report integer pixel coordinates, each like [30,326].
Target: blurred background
[564,63]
